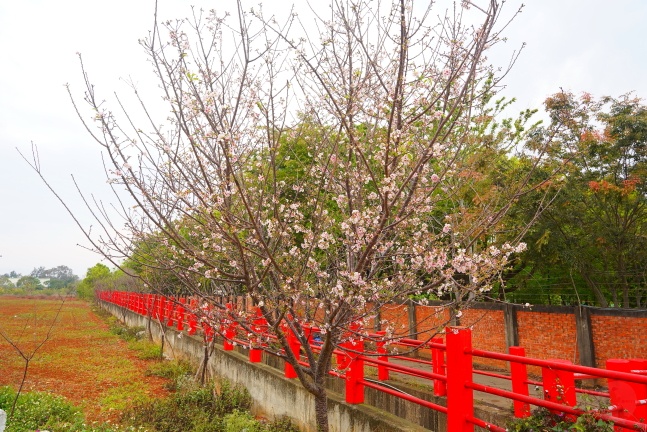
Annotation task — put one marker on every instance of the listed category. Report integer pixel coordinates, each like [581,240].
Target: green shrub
[192,408]
[232,398]
[129,334]
[542,420]
[239,421]
[172,369]
[36,410]
[283,424]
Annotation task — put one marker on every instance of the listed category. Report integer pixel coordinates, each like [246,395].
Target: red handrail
[455,373]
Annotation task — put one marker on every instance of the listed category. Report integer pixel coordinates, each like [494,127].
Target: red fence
[450,370]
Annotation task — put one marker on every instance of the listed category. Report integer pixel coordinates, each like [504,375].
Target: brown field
[82,360]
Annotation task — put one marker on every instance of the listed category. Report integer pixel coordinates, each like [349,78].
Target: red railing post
[641,389]
[438,367]
[180,314]
[519,376]
[559,385]
[154,306]
[256,354]
[382,371]
[170,309]
[460,398]
[230,334]
[624,395]
[355,371]
[226,327]
[295,347]
[193,319]
[149,304]
[208,331]
[161,307]
[171,312]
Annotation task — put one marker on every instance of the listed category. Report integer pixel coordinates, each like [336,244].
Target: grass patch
[146,349]
[172,369]
[129,334]
[36,410]
[45,411]
[86,380]
[124,396]
[84,361]
[176,371]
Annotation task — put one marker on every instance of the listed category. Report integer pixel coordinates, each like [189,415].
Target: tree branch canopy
[322,169]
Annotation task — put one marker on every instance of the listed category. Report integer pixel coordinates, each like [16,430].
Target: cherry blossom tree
[322,167]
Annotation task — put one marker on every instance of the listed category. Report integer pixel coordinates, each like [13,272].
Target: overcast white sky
[597,46]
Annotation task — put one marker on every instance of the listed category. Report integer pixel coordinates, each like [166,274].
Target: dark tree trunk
[321,411]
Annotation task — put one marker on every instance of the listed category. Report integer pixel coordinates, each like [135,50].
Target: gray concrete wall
[274,395]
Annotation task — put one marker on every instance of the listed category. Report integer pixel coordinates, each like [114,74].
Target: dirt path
[82,360]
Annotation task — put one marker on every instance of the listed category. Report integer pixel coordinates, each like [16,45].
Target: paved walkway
[480,397]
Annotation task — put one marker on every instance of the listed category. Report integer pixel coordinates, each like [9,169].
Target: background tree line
[588,243]
[56,278]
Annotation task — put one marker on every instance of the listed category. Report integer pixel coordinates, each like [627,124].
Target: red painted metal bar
[438,367]
[559,377]
[600,373]
[382,371]
[555,406]
[355,373]
[485,425]
[406,396]
[412,360]
[540,384]
[519,375]
[460,397]
[405,369]
[626,395]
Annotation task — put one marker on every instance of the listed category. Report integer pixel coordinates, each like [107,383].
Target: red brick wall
[398,316]
[431,320]
[543,334]
[547,336]
[618,337]
[488,333]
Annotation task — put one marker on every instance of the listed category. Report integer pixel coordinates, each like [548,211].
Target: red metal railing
[450,370]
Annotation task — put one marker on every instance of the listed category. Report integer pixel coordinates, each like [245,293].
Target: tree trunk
[623,280]
[599,296]
[321,411]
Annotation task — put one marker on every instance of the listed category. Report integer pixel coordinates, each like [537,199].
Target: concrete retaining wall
[274,395]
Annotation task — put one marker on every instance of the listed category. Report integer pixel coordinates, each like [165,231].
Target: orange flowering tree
[595,233]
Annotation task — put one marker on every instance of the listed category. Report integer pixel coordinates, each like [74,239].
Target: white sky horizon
[594,46]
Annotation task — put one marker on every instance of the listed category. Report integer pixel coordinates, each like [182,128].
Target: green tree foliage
[5,282]
[323,176]
[100,278]
[59,277]
[590,245]
[93,277]
[29,283]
